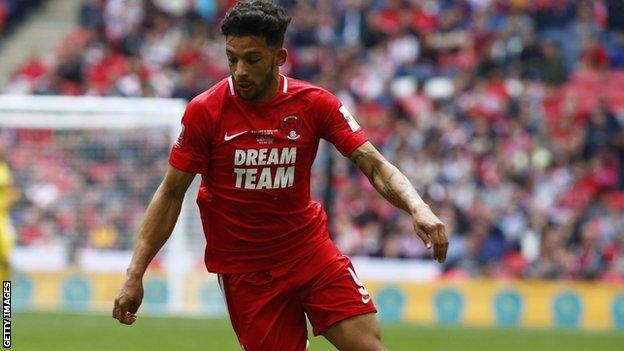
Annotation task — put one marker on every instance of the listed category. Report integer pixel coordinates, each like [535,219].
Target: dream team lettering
[265,177]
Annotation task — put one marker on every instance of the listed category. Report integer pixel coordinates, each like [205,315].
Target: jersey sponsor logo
[361,289]
[265,177]
[230,137]
[353,124]
[291,126]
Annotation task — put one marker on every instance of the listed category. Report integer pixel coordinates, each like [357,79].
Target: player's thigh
[263,317]
[335,294]
[359,333]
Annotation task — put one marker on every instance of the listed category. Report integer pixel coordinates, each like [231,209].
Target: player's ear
[282,55]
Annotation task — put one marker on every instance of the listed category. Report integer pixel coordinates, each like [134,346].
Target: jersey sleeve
[338,126]
[191,152]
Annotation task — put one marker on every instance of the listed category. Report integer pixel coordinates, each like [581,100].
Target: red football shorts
[268,308]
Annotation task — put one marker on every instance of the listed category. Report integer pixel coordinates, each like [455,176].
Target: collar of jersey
[281,90]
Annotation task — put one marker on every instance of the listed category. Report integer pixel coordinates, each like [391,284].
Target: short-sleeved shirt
[255,160]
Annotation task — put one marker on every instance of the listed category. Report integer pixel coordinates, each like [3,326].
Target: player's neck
[271,90]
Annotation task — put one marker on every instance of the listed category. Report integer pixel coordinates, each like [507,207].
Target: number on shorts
[357,281]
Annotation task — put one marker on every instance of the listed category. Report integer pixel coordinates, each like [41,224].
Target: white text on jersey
[265,177]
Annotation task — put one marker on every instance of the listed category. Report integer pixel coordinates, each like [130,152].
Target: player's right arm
[160,218]
[189,156]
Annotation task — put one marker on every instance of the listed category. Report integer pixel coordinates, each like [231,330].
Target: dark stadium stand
[13,12]
[507,115]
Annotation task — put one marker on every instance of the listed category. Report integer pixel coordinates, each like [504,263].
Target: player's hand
[128,301]
[431,231]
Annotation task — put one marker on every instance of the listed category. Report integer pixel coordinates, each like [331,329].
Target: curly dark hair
[257,17]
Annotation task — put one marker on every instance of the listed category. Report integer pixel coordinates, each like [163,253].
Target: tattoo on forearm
[397,191]
[394,187]
[361,156]
[361,159]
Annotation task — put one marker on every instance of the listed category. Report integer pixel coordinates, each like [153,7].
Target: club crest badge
[291,126]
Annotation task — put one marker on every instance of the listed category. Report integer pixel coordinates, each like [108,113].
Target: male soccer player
[253,138]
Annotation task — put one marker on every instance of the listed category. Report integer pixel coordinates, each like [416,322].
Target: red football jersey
[255,159]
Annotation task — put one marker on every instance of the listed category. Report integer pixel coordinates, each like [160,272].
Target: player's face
[254,66]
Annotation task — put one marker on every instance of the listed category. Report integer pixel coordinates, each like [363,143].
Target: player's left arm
[397,189]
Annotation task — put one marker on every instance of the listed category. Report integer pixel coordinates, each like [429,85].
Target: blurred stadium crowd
[508,115]
[84,188]
[12,12]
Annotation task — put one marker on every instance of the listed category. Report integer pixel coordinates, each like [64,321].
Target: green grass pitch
[67,332]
